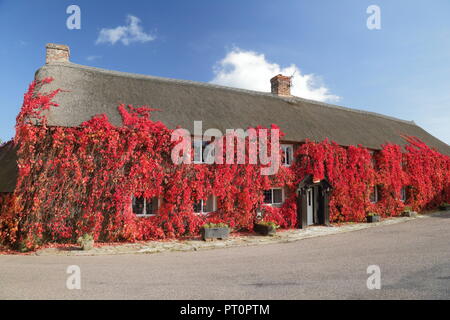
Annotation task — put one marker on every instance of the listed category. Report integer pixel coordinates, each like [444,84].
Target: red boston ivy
[81,180]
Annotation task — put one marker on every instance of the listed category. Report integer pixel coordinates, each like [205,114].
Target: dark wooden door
[302,221]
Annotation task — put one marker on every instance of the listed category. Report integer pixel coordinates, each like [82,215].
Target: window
[287,154]
[205,207]
[404,162]
[403,196]
[203,152]
[145,207]
[374,196]
[373,159]
[273,196]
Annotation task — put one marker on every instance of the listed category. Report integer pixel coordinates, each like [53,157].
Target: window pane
[288,156]
[277,196]
[267,196]
[151,206]
[403,194]
[373,195]
[198,206]
[155,204]
[208,153]
[138,205]
[374,162]
[198,150]
[209,205]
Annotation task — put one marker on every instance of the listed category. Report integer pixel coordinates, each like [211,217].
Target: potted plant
[408,212]
[266,228]
[444,206]
[86,242]
[373,217]
[211,231]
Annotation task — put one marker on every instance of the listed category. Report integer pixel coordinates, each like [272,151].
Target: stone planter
[410,214]
[374,218]
[215,233]
[87,245]
[264,230]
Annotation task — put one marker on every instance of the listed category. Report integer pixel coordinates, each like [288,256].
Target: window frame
[203,205]
[287,146]
[204,146]
[403,194]
[145,215]
[277,203]
[404,163]
[374,191]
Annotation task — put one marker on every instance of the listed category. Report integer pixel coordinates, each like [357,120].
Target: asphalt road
[414,258]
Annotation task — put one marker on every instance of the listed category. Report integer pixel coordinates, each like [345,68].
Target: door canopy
[309,182]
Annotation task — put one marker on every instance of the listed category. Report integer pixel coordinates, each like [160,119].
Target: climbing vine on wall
[81,180]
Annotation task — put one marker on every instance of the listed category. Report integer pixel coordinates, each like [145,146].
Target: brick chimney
[57,53]
[281,85]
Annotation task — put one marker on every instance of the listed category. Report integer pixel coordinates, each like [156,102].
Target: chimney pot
[57,53]
[281,85]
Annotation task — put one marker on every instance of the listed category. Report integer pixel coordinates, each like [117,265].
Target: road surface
[414,259]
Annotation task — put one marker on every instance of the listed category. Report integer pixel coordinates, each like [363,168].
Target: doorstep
[283,236]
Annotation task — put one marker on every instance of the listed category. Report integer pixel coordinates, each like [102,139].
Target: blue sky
[402,70]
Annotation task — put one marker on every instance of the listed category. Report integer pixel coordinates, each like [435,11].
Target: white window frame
[278,203]
[372,159]
[144,215]
[283,148]
[403,196]
[374,191]
[203,206]
[404,163]
[204,145]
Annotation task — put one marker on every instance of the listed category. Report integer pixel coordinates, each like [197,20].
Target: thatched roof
[91,91]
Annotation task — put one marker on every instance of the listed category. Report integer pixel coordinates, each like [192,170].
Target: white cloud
[131,32]
[250,70]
